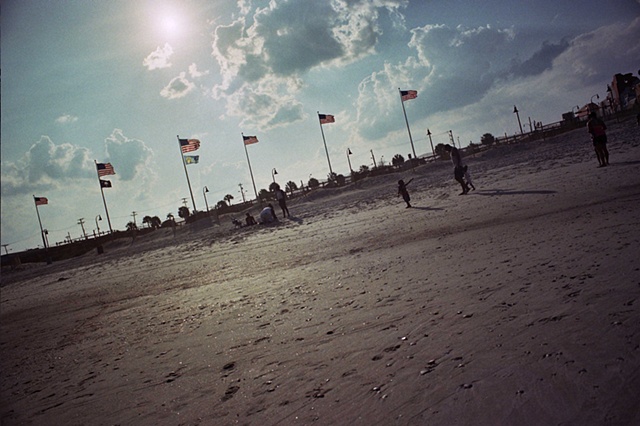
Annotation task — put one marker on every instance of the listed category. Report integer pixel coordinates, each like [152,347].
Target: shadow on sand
[495,192]
[426,208]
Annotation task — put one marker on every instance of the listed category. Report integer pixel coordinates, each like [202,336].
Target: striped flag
[105,169]
[41,200]
[189,145]
[191,159]
[408,94]
[326,118]
[248,140]
[105,183]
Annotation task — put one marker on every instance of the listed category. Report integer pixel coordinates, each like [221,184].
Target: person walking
[458,167]
[598,131]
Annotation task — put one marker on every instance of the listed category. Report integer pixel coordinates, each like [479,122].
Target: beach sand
[518,304]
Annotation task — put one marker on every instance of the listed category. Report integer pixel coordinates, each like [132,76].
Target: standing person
[598,131]
[458,167]
[281,196]
[402,190]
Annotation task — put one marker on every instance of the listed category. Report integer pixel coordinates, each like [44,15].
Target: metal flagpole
[104,201]
[407,121]
[44,241]
[250,171]
[325,146]
[184,164]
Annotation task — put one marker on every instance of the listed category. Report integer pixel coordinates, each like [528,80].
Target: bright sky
[117,80]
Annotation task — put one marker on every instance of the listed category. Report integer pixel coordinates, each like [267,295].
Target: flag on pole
[189,145]
[191,159]
[326,118]
[105,183]
[41,200]
[248,140]
[408,94]
[105,169]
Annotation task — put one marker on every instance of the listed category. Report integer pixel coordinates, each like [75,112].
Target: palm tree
[131,226]
[156,222]
[228,198]
[397,160]
[147,221]
[183,212]
[313,183]
[291,186]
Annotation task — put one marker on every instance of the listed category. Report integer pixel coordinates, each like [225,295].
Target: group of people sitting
[267,214]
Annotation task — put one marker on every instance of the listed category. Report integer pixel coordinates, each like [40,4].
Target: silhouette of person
[281,196]
[598,131]
[402,190]
[458,167]
[250,220]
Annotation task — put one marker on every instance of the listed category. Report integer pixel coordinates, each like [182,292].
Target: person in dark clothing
[402,190]
[598,131]
[281,196]
[458,167]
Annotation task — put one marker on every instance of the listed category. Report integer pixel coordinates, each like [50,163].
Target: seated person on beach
[237,223]
[250,220]
[266,215]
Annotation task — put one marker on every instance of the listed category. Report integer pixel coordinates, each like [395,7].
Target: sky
[118,80]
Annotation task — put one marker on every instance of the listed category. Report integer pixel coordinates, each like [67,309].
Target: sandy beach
[517,304]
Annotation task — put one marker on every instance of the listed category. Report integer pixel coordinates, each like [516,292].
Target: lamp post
[349,160]
[433,152]
[517,113]
[274,172]
[591,101]
[97,226]
[204,193]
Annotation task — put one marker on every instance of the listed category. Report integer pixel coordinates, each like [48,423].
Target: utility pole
[81,223]
[184,202]
[134,219]
[5,248]
[375,166]
[451,138]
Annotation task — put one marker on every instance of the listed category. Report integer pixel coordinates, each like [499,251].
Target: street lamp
[349,160]
[97,226]
[204,193]
[431,142]
[274,172]
[517,113]
[591,101]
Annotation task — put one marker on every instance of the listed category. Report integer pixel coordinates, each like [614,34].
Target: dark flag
[105,183]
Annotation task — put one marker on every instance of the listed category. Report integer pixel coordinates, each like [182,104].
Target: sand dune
[517,304]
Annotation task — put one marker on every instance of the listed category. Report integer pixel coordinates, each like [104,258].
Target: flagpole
[250,171]
[407,121]
[184,164]
[44,241]
[104,201]
[325,146]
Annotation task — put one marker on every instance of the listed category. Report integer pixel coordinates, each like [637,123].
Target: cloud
[540,61]
[46,165]
[66,118]
[178,87]
[194,73]
[159,58]
[265,55]
[131,158]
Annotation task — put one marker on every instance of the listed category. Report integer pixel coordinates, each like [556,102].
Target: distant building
[624,91]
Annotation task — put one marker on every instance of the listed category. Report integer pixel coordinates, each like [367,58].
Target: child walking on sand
[402,190]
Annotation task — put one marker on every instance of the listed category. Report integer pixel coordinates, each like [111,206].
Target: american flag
[408,94]
[189,145]
[40,200]
[105,169]
[248,140]
[326,118]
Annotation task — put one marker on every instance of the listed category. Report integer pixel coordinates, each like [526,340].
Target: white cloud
[178,87]
[159,58]
[66,118]
[131,158]
[265,55]
[46,165]
[194,73]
